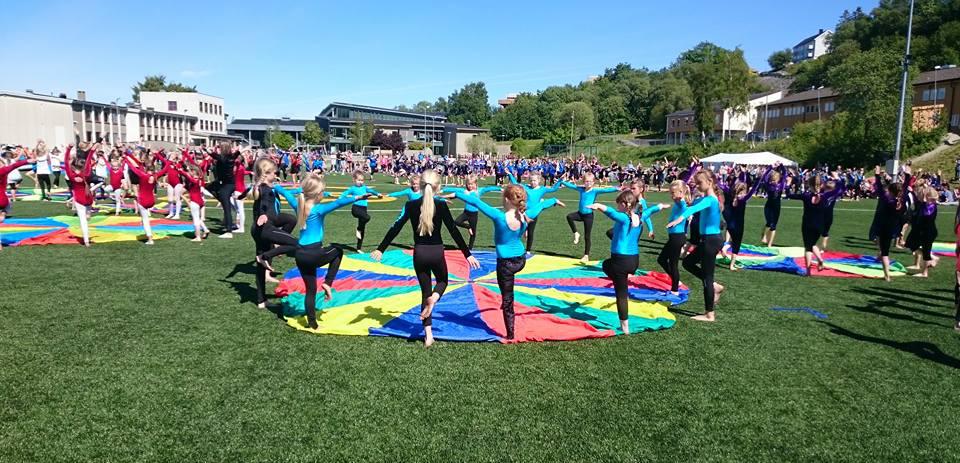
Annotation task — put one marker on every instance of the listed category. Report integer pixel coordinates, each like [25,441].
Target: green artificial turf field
[126,352]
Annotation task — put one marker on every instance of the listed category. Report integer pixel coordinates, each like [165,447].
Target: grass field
[125,352]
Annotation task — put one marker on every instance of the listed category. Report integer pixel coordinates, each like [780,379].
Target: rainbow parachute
[945,249]
[790,260]
[556,299]
[66,230]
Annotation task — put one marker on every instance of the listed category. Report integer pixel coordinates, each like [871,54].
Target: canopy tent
[764,158]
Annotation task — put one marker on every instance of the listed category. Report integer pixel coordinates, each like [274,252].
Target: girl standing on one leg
[702,261]
[774,183]
[468,218]
[174,186]
[146,198]
[814,200]
[272,231]
[77,173]
[834,184]
[926,226]
[588,196]
[535,194]
[359,208]
[311,253]
[624,249]
[426,214]
[115,178]
[508,228]
[193,181]
[240,191]
[890,205]
[737,216]
[669,257]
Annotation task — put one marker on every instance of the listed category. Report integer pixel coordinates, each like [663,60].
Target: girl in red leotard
[147,174]
[77,172]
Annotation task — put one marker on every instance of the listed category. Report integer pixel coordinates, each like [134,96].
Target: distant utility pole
[903,92]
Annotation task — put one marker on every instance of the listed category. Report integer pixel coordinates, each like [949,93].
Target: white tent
[764,158]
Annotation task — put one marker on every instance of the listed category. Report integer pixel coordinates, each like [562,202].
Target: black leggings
[468,220]
[827,223]
[956,300]
[771,213]
[309,258]
[278,233]
[884,243]
[587,220]
[506,269]
[736,239]
[669,258]
[360,213]
[618,268]
[428,259]
[56,179]
[706,256]
[810,237]
[44,181]
[531,225]
[224,193]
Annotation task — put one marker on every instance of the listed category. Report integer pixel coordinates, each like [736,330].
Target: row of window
[211,108]
[828,107]
[345,113]
[931,95]
[210,126]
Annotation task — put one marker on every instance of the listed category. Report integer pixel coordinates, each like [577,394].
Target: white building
[209,111]
[812,47]
[27,117]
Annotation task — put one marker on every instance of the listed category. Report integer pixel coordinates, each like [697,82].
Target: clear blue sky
[291,58]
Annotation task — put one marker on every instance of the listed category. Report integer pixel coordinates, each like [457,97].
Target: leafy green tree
[869,87]
[717,77]
[780,59]
[481,143]
[469,104]
[522,119]
[314,135]
[579,116]
[361,133]
[670,93]
[274,136]
[158,83]
[612,116]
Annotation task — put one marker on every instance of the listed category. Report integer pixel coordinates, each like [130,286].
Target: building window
[171,106]
[930,95]
[811,108]
[829,106]
[954,120]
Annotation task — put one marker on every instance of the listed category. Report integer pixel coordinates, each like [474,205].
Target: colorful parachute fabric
[103,229]
[556,299]
[945,249]
[790,260]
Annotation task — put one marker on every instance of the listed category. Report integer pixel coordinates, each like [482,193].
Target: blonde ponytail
[429,182]
[310,193]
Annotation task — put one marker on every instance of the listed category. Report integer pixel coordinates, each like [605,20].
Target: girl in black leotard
[890,205]
[425,216]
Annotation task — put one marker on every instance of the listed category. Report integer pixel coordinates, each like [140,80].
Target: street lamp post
[936,115]
[903,92]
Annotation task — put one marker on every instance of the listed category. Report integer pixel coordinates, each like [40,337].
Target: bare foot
[197,239]
[428,306]
[820,265]
[576,237]
[264,263]
[585,259]
[271,279]
[327,292]
[428,340]
[920,275]
[913,267]
[707,317]
[625,326]
[149,242]
[262,305]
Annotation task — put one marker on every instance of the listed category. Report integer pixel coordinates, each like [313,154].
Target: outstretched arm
[394,229]
[452,228]
[474,201]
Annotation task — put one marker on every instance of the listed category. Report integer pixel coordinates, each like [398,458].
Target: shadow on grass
[900,292]
[921,349]
[859,243]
